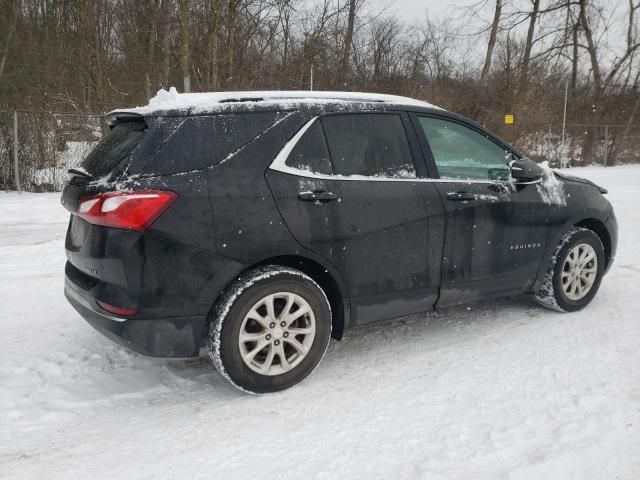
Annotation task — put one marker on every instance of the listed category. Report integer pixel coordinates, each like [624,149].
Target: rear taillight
[127,210]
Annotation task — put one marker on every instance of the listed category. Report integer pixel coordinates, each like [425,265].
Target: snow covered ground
[503,389]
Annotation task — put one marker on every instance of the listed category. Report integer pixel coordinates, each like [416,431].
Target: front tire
[270,329]
[575,272]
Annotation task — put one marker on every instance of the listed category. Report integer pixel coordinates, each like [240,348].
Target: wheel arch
[599,228]
[591,221]
[328,280]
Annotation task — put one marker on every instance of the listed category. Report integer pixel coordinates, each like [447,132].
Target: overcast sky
[415,11]
[412,9]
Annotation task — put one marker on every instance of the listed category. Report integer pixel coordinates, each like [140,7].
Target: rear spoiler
[78,176]
[118,117]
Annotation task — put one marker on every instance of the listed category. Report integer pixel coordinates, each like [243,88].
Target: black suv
[263,223]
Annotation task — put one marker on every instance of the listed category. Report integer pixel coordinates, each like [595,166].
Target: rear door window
[116,148]
[369,144]
[197,142]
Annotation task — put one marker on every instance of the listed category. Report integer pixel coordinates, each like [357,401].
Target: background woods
[497,57]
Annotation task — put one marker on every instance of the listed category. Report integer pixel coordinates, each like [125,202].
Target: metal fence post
[563,158]
[15,151]
[606,145]
[55,162]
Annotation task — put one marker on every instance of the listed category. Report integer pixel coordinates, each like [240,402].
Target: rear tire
[575,272]
[270,329]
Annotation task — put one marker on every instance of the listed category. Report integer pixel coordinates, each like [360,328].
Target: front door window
[462,153]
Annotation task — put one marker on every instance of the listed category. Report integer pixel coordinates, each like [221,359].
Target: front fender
[587,218]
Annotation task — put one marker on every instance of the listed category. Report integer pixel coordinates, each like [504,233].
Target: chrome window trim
[279,165]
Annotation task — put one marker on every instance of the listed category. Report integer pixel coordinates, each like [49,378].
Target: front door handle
[317,196]
[460,196]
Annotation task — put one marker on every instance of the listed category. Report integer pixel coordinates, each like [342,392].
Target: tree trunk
[87,52]
[165,42]
[634,111]
[524,71]
[574,61]
[232,12]
[10,33]
[492,41]
[591,48]
[212,45]
[185,61]
[151,49]
[348,41]
[587,145]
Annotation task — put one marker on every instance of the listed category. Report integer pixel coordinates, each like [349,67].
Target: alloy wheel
[277,333]
[579,271]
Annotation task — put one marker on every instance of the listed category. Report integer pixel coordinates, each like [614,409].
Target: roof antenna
[311,85]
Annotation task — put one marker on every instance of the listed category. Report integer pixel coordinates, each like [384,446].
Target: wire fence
[51,143]
[48,145]
[582,144]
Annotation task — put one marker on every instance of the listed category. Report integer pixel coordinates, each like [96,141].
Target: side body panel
[494,243]
[385,237]
[495,231]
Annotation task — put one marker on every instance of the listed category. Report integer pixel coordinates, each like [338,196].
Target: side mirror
[525,171]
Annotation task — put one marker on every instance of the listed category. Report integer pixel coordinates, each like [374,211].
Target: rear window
[198,142]
[116,148]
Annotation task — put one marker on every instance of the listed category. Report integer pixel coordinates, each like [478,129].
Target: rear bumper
[163,337]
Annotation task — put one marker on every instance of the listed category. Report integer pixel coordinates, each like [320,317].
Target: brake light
[123,312]
[126,210]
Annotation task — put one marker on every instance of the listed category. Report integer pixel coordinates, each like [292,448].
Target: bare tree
[526,57]
[492,41]
[212,43]
[348,40]
[7,43]
[601,81]
[93,55]
[185,50]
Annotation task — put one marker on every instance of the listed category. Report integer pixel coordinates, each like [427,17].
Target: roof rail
[209,101]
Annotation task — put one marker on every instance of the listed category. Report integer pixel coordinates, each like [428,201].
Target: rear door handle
[317,196]
[460,196]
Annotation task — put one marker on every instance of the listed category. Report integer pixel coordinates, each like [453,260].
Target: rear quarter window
[112,154]
[310,153]
[193,143]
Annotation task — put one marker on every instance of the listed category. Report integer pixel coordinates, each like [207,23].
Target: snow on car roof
[212,101]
